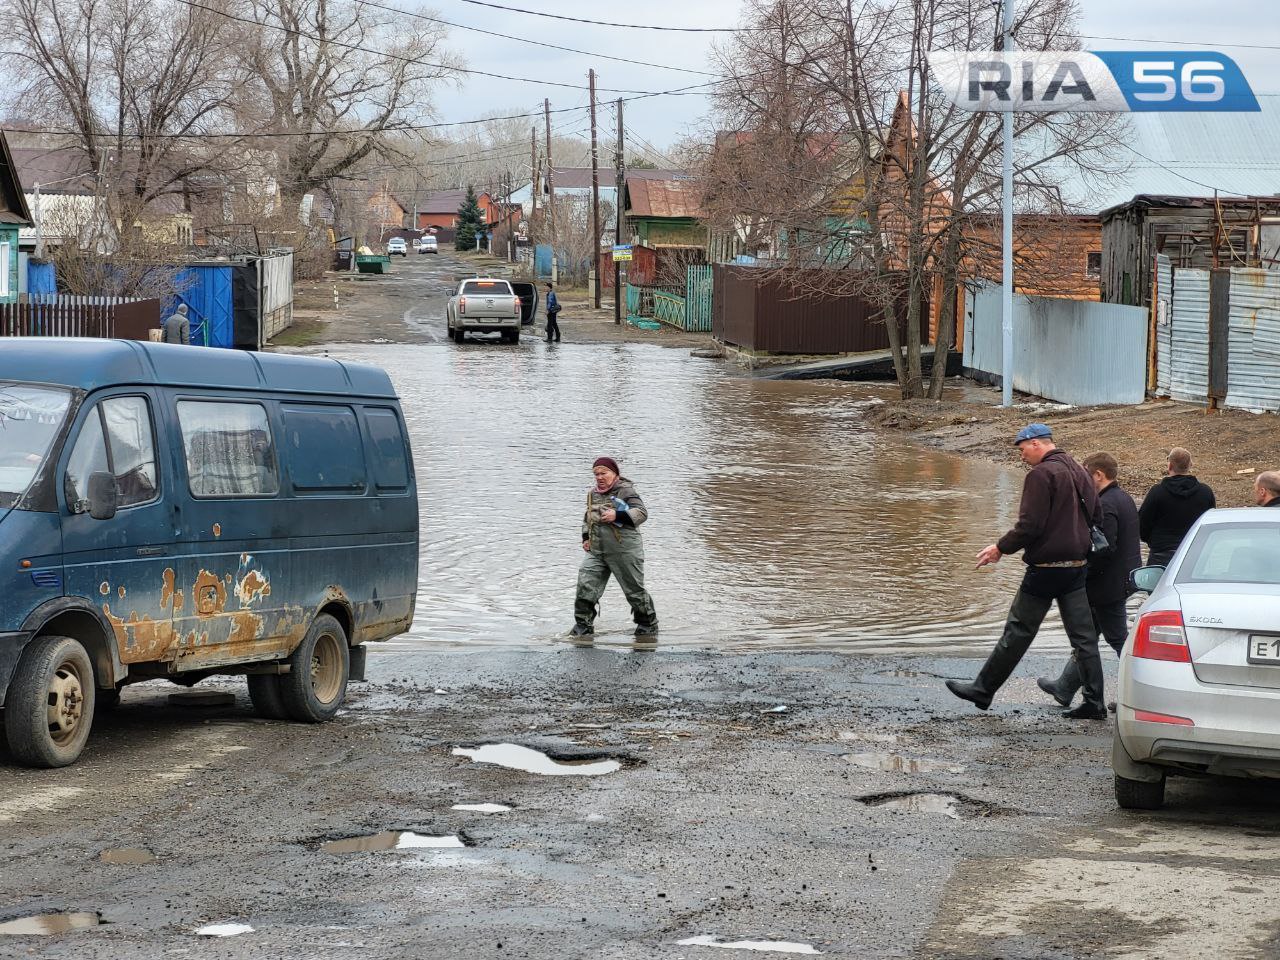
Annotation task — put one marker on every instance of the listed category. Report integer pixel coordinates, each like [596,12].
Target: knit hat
[609,462]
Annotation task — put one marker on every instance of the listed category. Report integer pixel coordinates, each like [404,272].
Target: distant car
[429,245]
[396,245]
[1199,686]
[416,244]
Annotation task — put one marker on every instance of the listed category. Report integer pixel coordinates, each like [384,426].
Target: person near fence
[177,326]
[1059,507]
[1107,579]
[1171,507]
[611,540]
[553,312]
[1266,489]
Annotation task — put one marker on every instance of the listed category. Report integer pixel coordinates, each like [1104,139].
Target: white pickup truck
[484,305]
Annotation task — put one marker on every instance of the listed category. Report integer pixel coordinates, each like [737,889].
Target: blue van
[178,512]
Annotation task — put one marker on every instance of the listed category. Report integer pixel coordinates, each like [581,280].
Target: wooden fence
[66,316]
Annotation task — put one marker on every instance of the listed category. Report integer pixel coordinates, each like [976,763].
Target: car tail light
[1160,637]
[462,305]
[1148,716]
[517,307]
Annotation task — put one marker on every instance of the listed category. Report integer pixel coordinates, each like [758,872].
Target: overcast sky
[661,120]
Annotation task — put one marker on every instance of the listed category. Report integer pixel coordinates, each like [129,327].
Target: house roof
[11,196]
[579,178]
[664,198]
[55,169]
[446,201]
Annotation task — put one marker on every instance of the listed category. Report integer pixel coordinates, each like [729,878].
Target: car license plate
[1264,649]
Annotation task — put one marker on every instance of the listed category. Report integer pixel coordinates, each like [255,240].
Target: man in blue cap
[1059,505]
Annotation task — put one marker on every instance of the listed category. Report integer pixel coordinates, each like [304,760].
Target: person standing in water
[611,541]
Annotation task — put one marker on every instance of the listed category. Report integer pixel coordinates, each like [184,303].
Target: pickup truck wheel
[49,710]
[1139,794]
[265,695]
[459,335]
[316,683]
[515,336]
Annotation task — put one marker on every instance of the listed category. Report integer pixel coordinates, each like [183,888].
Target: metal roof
[572,178]
[1188,155]
[664,198]
[90,363]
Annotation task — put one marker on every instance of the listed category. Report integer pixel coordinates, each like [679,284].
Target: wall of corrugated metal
[1253,344]
[276,302]
[1189,336]
[1070,351]
[1164,314]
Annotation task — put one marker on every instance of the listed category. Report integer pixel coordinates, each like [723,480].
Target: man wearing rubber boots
[1059,505]
[611,540]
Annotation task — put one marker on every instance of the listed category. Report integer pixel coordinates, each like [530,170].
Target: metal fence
[70,316]
[1070,351]
[1163,307]
[1189,336]
[276,286]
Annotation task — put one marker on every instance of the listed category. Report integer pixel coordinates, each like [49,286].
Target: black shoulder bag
[1098,542]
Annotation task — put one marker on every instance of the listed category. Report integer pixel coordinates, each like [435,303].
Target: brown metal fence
[80,317]
[761,313]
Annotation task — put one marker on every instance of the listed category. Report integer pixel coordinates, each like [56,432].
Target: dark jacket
[1169,510]
[597,502]
[1273,503]
[1051,523]
[553,303]
[1109,570]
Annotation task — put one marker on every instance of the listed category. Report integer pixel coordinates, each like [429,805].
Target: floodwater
[44,924]
[777,518]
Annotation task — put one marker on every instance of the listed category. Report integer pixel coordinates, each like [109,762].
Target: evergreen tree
[470,222]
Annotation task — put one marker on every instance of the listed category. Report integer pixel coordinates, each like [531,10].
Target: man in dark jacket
[1107,579]
[1266,489]
[1059,504]
[1171,507]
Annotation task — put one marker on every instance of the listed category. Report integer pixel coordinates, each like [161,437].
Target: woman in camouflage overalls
[611,539]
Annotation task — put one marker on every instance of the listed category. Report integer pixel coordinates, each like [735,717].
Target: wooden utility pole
[551,178]
[533,170]
[620,185]
[595,195]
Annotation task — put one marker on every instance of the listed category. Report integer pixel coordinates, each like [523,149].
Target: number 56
[1201,82]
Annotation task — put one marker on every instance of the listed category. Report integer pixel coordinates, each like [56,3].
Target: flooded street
[777,518]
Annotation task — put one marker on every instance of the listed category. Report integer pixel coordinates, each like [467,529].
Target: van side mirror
[1146,579]
[104,495]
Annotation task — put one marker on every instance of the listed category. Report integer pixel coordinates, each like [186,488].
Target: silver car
[1200,675]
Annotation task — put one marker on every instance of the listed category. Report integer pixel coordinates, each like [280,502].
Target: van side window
[322,448]
[390,466]
[116,438]
[229,449]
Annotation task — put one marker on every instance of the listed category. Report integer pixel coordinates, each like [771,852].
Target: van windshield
[30,416]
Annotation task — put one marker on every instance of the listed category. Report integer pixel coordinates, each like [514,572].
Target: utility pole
[1006,294]
[551,179]
[620,185]
[595,196]
[533,170]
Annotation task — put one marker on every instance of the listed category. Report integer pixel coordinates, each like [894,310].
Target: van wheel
[1139,794]
[49,709]
[266,697]
[316,683]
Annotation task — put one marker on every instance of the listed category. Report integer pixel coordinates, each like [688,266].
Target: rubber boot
[1026,613]
[1077,618]
[1063,690]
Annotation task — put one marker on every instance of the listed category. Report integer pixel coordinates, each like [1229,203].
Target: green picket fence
[697,298]
[668,308]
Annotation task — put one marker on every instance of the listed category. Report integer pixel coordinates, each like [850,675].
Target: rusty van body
[178,512]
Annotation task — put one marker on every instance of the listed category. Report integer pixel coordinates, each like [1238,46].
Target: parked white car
[1199,686]
[396,245]
[429,245]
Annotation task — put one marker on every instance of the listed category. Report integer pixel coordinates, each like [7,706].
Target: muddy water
[777,517]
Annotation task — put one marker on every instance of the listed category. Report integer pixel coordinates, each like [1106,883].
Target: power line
[603,23]
[537,43]
[1202,44]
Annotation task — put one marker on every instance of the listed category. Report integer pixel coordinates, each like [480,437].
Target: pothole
[127,857]
[393,840]
[897,763]
[767,946]
[515,757]
[43,924]
[224,930]
[481,807]
[953,805]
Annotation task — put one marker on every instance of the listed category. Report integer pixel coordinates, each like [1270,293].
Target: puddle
[391,840]
[224,930]
[516,757]
[947,804]
[127,856]
[42,924]
[897,763]
[481,807]
[769,946]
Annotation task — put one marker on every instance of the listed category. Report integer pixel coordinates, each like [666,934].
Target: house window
[1093,264]
[4,269]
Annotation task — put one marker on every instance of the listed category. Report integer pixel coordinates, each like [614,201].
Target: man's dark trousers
[1041,586]
[553,326]
[1110,619]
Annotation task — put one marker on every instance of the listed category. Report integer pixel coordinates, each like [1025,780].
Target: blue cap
[1032,431]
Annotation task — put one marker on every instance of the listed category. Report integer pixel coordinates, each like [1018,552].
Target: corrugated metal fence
[276,284]
[1164,314]
[1071,351]
[1189,336]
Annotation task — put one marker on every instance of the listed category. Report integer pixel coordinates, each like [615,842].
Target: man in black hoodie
[1059,504]
[1170,508]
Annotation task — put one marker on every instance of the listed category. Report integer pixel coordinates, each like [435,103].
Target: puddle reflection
[515,757]
[392,840]
[43,924]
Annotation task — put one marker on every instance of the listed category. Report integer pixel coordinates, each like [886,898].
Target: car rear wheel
[459,335]
[515,336]
[316,683]
[1140,794]
[265,694]
[49,709]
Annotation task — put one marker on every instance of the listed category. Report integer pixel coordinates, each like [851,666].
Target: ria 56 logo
[1101,81]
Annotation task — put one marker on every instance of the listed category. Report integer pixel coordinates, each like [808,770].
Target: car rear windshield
[498,287]
[1233,553]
